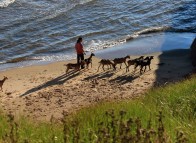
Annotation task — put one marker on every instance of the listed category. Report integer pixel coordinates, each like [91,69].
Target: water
[149,43]
[36,32]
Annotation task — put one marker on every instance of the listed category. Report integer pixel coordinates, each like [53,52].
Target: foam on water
[5,3]
[40,60]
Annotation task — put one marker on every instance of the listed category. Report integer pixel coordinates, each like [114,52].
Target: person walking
[79,51]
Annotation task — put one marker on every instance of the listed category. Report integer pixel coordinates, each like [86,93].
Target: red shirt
[79,48]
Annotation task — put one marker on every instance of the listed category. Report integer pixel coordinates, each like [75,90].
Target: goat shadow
[101,75]
[121,79]
[57,81]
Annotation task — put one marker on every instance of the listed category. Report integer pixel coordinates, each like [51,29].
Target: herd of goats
[141,61]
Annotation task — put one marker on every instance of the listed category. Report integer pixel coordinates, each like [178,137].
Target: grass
[164,114]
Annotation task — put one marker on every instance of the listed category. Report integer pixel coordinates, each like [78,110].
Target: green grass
[177,103]
[24,130]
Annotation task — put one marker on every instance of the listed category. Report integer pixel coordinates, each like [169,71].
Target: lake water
[38,32]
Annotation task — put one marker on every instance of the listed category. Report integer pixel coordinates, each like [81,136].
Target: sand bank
[39,92]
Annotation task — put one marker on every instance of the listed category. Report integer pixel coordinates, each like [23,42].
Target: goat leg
[127,68]
[67,69]
[87,66]
[77,69]
[145,69]
[141,69]
[120,66]
[125,64]
[103,67]
[98,67]
[149,67]
[136,65]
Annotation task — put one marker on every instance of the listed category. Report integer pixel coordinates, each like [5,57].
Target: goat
[121,60]
[134,62]
[74,66]
[2,81]
[89,60]
[129,63]
[146,62]
[138,61]
[104,62]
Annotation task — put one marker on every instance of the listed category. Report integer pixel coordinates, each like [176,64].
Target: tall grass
[176,101]
[164,114]
[23,130]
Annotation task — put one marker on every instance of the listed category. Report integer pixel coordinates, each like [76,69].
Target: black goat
[89,60]
[138,61]
[146,62]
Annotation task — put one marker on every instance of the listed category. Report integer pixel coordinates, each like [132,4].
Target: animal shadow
[124,79]
[101,75]
[56,81]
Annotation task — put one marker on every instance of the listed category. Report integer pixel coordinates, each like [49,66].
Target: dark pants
[80,57]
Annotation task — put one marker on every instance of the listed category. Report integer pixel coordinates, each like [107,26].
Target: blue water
[150,43]
[47,30]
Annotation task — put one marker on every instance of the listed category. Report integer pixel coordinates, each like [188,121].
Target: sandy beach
[38,92]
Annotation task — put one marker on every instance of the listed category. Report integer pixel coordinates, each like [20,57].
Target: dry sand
[39,92]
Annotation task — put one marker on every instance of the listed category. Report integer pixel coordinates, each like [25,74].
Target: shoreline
[41,91]
[144,44]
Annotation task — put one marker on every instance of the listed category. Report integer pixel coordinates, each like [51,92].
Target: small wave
[3,62]
[85,1]
[95,45]
[146,31]
[5,3]
[55,58]
[98,44]
[22,59]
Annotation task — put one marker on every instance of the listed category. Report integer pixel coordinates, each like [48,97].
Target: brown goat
[129,63]
[2,81]
[104,62]
[120,61]
[76,66]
